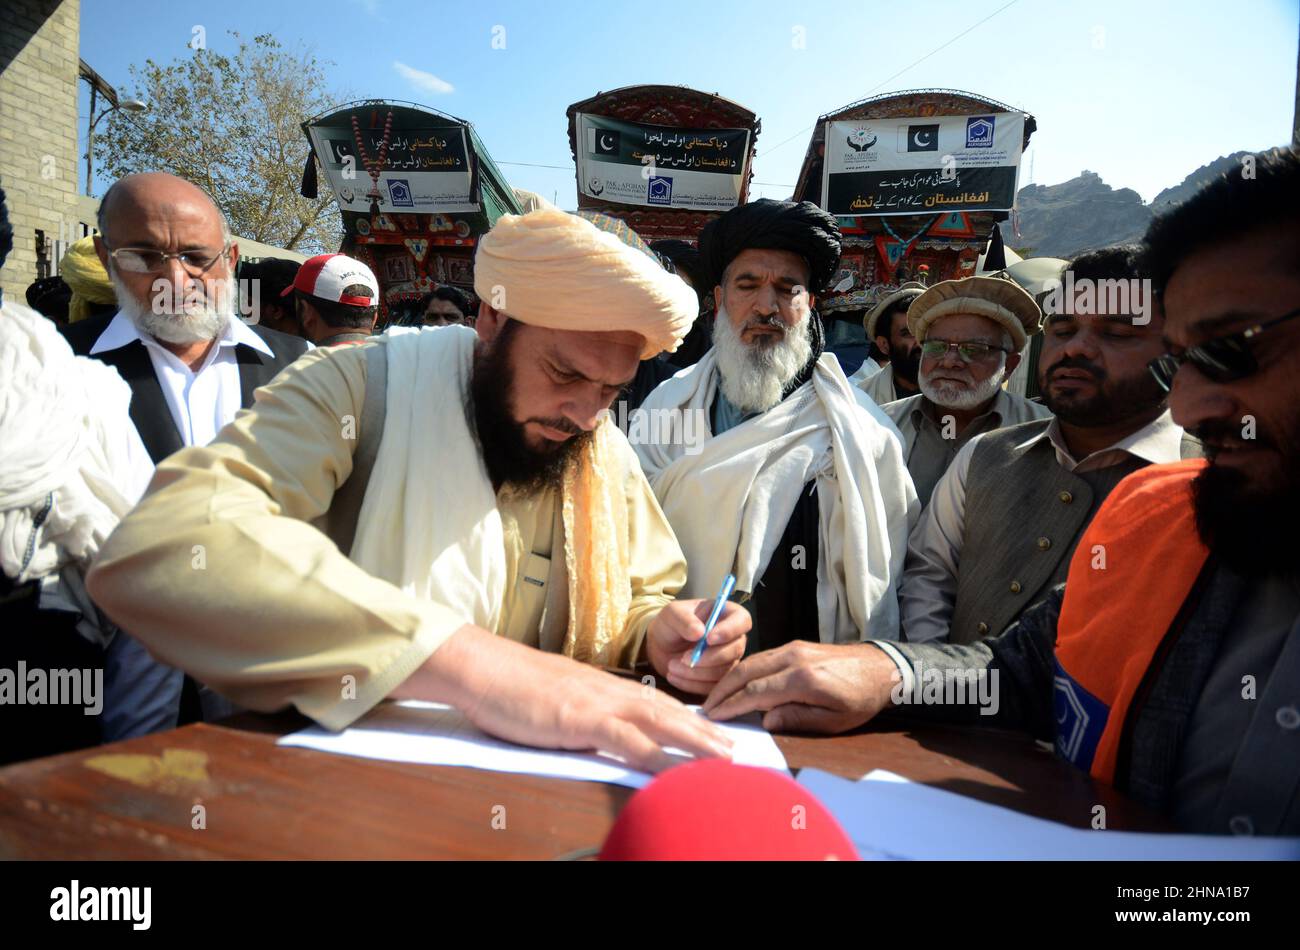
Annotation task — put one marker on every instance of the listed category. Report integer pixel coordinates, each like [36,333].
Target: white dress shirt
[201,401]
[929,588]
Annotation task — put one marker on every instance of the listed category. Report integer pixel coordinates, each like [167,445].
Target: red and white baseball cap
[326,275]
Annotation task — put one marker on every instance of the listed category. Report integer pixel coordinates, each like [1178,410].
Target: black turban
[802,228]
[685,260]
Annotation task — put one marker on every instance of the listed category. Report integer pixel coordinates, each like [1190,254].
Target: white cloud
[418,78]
[370,6]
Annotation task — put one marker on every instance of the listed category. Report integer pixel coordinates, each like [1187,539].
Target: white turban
[552,269]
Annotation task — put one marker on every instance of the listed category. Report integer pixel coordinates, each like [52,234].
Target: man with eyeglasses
[1168,665]
[1006,516]
[971,333]
[176,339]
[190,361]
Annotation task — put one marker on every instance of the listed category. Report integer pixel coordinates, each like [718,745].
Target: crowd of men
[449,510]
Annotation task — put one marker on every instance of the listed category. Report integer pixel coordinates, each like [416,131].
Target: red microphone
[712,810]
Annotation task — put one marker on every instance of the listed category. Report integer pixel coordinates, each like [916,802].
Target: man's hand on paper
[549,701]
[672,636]
[808,687]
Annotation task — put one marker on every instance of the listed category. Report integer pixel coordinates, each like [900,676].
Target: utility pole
[99,87]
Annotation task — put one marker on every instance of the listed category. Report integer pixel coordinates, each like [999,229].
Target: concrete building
[39,163]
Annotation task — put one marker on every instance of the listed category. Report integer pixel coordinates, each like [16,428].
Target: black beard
[1253,531]
[907,365]
[1123,400]
[509,459]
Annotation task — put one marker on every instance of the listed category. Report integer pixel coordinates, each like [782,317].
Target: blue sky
[1140,91]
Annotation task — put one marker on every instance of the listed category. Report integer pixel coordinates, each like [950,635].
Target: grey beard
[754,377]
[948,397]
[167,325]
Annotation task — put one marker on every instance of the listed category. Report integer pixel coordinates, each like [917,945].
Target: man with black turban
[797,483]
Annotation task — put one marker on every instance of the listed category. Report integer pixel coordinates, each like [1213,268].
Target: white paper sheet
[889,817]
[436,734]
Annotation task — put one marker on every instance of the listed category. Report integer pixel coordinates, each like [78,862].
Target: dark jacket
[149,409]
[1264,782]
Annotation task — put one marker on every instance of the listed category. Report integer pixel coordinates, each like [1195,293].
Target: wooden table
[137,799]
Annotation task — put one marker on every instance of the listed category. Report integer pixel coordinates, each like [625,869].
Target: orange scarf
[1129,577]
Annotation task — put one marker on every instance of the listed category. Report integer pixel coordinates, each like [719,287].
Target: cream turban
[557,270]
[908,291]
[1000,300]
[83,272]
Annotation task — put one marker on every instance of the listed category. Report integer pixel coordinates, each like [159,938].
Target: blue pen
[723,594]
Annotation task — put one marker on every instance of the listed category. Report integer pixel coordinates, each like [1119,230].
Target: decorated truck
[919,181]
[416,189]
[664,159]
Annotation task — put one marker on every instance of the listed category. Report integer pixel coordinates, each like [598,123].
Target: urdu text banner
[922,165]
[659,166]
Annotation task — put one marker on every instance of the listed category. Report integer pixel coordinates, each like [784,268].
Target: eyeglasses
[1222,359]
[967,352]
[143,260]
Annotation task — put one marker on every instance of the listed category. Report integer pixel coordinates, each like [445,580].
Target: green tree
[231,124]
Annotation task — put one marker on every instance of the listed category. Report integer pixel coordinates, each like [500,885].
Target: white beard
[753,376]
[192,324]
[947,396]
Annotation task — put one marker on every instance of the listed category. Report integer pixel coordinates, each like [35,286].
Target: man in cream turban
[84,273]
[538,545]
[799,489]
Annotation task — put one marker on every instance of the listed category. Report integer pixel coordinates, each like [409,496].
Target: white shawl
[71,462]
[407,533]
[729,500]
[429,522]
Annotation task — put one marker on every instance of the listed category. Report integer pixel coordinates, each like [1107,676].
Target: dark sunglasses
[1223,359]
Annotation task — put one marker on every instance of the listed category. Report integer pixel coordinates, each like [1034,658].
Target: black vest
[1024,517]
[149,411]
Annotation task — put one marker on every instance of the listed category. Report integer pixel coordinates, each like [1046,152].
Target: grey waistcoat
[1024,517]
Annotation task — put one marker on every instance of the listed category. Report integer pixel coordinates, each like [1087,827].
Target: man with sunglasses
[971,332]
[190,361]
[1168,665]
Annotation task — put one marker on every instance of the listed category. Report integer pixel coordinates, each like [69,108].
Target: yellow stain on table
[173,769]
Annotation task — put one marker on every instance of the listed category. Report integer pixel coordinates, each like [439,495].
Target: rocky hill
[1085,212]
[1180,192]
[1082,213]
